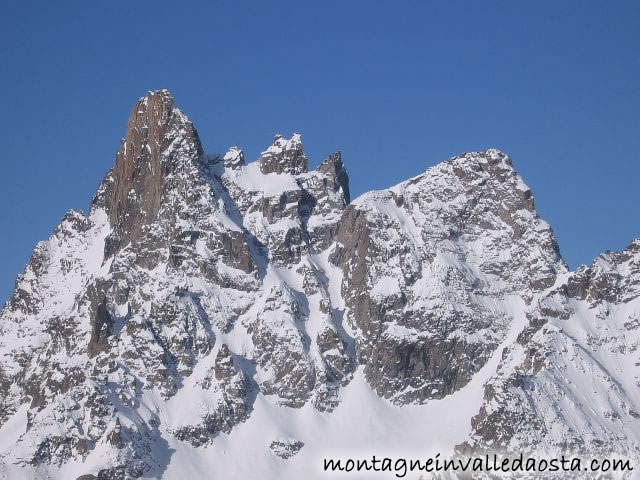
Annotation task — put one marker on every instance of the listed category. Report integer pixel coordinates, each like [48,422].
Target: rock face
[430,266]
[160,139]
[570,380]
[284,156]
[202,295]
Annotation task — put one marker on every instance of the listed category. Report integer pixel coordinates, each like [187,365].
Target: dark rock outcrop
[284,156]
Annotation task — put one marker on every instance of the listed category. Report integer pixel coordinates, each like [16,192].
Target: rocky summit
[212,318]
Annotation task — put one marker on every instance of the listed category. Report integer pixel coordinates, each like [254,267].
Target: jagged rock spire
[234,158]
[334,167]
[159,139]
[284,156]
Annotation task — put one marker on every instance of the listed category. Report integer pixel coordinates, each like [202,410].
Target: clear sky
[397,86]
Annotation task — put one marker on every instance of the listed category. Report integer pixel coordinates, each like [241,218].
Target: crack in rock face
[202,290]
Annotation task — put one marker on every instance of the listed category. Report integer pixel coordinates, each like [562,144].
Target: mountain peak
[160,140]
[154,95]
[284,156]
[234,158]
[257,294]
[334,167]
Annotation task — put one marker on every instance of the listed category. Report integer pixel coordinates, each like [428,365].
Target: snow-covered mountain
[211,318]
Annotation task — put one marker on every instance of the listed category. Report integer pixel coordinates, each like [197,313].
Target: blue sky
[397,86]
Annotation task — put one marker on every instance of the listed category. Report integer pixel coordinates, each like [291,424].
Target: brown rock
[156,130]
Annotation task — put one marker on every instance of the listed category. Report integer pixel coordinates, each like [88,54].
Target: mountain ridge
[200,292]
